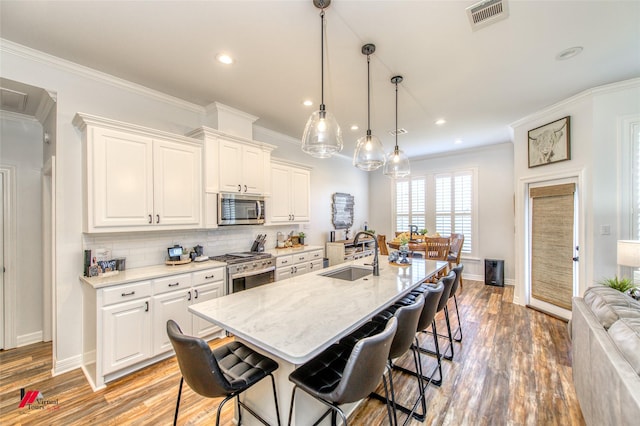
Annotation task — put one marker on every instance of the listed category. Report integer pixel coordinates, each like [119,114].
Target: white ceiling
[479,81]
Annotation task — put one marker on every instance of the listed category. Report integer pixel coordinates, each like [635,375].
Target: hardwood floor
[513,367]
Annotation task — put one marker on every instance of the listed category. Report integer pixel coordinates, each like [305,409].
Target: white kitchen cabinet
[300,263]
[137,178]
[290,193]
[124,325]
[234,164]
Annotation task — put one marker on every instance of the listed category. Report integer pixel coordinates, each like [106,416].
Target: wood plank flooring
[513,367]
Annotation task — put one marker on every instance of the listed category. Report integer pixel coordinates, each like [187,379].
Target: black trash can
[494,272]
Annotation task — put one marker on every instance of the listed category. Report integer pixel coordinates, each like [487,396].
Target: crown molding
[16,116]
[47,102]
[11,48]
[589,93]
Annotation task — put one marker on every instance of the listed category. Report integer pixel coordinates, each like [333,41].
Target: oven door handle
[251,273]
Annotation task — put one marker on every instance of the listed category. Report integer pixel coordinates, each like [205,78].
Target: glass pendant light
[322,136]
[397,162]
[369,154]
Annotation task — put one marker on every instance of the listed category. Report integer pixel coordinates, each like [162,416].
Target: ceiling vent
[487,12]
[398,132]
[13,100]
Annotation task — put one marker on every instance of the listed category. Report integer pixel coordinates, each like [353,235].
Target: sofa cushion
[607,304]
[625,333]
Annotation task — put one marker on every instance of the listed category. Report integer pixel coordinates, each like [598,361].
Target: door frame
[10,232]
[48,249]
[580,271]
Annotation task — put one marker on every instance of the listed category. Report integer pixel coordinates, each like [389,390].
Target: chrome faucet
[376,268]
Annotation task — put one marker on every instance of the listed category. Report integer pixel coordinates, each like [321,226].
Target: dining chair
[225,371]
[437,248]
[455,250]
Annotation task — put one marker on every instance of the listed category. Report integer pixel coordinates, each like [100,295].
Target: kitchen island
[294,320]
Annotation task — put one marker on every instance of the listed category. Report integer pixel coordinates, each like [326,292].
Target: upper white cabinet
[234,164]
[137,178]
[290,193]
[241,168]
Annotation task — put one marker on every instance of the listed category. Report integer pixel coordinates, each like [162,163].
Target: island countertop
[297,318]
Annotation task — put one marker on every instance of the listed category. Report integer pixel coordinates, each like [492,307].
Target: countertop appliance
[236,209]
[246,270]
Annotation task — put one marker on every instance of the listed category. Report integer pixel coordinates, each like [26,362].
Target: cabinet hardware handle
[146,306]
[245,188]
[239,188]
[157,218]
[131,293]
[301,258]
[189,298]
[208,277]
[196,292]
[174,284]
[293,217]
[150,219]
[285,261]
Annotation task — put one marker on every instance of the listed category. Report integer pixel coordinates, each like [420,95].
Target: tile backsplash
[150,248]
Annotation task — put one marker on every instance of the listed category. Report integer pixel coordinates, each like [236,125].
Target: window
[410,203]
[442,202]
[454,205]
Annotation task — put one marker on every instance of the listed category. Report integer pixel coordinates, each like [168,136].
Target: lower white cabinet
[126,337]
[297,264]
[125,324]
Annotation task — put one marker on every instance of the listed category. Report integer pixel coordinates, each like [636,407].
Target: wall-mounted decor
[550,143]
[342,217]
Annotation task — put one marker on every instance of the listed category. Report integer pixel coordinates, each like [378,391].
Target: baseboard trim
[66,365]
[28,339]
[535,308]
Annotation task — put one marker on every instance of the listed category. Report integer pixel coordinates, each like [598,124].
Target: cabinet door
[202,293]
[168,306]
[177,190]
[253,170]
[126,337]
[300,199]
[279,209]
[283,273]
[119,179]
[230,166]
[301,268]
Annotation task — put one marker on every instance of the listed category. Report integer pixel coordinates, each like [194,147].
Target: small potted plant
[301,236]
[623,285]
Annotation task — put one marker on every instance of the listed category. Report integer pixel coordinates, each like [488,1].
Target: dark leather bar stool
[407,317]
[343,374]
[226,371]
[447,281]
[432,295]
[457,334]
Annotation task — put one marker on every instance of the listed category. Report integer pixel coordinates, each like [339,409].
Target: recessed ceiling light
[354,127]
[440,121]
[569,53]
[307,103]
[224,58]
[458,141]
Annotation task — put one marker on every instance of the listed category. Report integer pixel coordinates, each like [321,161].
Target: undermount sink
[349,273]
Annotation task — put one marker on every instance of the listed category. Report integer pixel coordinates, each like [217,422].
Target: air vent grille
[398,132]
[487,12]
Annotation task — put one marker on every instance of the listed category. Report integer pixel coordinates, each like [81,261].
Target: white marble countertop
[287,251]
[297,318]
[149,272]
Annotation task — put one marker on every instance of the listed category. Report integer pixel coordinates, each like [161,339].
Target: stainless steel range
[247,270]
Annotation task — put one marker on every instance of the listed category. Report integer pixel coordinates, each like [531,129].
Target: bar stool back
[341,375]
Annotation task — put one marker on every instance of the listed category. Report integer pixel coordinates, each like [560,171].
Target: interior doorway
[553,245]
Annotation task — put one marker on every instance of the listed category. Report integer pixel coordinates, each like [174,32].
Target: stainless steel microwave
[236,209]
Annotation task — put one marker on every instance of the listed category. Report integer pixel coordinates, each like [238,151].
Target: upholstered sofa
[605,333]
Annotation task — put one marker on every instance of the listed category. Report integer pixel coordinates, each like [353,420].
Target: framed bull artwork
[550,143]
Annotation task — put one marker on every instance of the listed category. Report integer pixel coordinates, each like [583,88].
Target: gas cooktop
[246,256]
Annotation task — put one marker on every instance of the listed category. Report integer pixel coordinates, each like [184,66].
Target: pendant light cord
[396,149]
[322,59]
[368,99]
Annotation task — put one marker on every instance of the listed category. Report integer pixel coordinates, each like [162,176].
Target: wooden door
[553,247]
